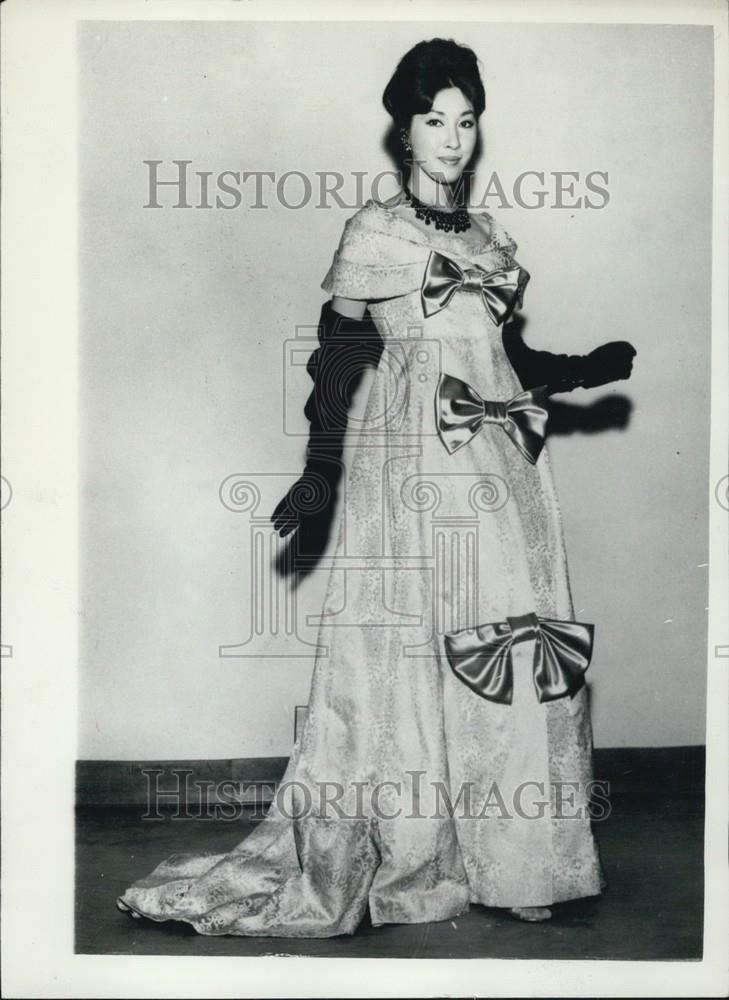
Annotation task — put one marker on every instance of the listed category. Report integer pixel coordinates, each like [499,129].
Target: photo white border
[40,459]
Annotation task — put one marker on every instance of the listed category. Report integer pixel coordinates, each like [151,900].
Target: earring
[405,140]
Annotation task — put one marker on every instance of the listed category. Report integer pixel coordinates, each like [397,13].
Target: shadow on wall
[606,413]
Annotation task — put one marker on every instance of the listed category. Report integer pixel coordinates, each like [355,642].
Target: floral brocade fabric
[445,798]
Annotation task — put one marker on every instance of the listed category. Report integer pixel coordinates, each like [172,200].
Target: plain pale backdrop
[185,314]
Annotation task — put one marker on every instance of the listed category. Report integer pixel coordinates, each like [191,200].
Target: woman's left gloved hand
[608,363]
[563,372]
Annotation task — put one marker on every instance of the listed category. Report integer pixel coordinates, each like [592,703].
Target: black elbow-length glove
[564,372]
[346,348]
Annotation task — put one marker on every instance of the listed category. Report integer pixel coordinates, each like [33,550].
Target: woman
[446,755]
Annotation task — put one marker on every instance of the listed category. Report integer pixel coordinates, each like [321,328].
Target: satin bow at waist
[460,413]
[482,657]
[500,290]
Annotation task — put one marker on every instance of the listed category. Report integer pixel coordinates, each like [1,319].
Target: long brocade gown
[445,797]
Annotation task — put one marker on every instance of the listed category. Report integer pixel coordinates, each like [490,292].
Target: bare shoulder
[351,308]
[399,198]
[492,231]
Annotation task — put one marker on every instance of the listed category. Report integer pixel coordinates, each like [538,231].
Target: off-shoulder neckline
[436,236]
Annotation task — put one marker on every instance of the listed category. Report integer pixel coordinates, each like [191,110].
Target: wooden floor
[651,846]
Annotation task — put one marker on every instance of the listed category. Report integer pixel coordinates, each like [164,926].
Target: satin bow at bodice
[481,657]
[500,290]
[460,413]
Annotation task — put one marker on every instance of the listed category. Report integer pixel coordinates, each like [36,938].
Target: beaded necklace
[459,221]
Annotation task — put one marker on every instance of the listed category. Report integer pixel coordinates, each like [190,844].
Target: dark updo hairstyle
[426,69]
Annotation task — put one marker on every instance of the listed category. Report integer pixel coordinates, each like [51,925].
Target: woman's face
[443,140]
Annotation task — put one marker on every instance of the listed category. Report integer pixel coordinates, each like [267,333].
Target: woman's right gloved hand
[312,496]
[346,347]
